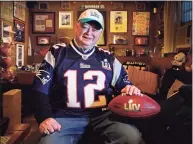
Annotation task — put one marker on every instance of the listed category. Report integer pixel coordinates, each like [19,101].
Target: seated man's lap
[70,132]
[110,130]
[78,131]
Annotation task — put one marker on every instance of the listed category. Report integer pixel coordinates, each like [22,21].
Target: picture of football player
[73,87]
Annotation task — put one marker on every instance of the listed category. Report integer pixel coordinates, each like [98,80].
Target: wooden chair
[16,131]
[146,81]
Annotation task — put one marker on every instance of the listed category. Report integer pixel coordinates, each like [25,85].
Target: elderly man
[74,86]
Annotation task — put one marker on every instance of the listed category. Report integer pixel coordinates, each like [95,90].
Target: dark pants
[100,130]
[173,125]
[169,77]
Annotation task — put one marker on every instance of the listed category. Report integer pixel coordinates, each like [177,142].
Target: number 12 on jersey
[89,100]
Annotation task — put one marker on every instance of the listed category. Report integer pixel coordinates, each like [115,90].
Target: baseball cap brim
[86,20]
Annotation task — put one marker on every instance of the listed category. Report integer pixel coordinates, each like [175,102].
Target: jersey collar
[84,56]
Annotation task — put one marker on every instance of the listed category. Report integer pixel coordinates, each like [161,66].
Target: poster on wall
[141,23]
[118,21]
[19,29]
[19,55]
[6,10]
[19,10]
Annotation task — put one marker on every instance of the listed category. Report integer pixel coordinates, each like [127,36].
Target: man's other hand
[49,125]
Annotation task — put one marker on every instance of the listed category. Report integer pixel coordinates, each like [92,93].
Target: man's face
[87,34]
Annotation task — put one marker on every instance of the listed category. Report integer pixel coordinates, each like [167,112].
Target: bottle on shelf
[112,50]
[114,39]
[133,52]
[162,52]
[127,52]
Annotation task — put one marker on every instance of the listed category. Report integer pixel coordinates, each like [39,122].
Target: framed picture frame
[43,22]
[65,5]
[65,19]
[6,10]
[118,6]
[140,6]
[43,5]
[19,55]
[19,29]
[140,24]
[141,40]
[19,10]
[6,29]
[118,21]
[102,40]
[43,40]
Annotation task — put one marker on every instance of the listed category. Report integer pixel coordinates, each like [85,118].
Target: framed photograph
[43,5]
[140,24]
[118,21]
[65,4]
[43,22]
[102,40]
[43,40]
[19,10]
[6,29]
[140,40]
[65,19]
[19,55]
[140,6]
[19,29]
[118,6]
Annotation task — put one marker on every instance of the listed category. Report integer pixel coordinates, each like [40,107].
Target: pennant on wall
[29,47]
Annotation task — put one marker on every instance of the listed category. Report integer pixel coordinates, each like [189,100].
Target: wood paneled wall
[128,6]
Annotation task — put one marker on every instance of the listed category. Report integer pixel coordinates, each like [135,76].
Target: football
[134,106]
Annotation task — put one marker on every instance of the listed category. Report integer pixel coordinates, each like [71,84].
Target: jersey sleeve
[120,76]
[44,77]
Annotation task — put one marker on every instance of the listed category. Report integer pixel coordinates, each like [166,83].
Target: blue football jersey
[79,83]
